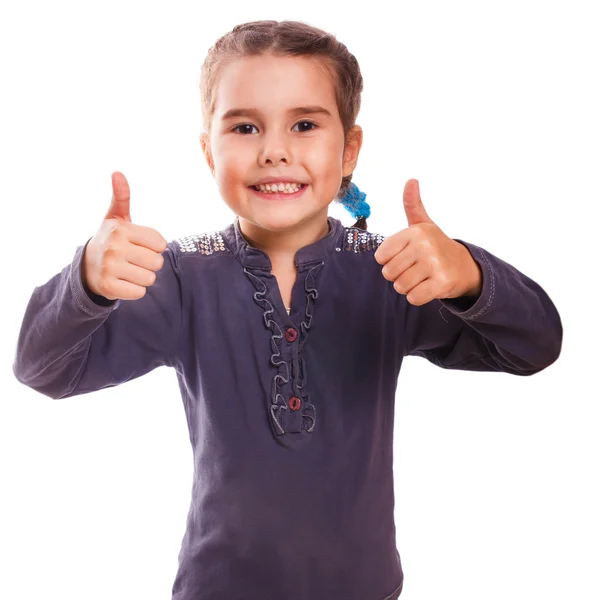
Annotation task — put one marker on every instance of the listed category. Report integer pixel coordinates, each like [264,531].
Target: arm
[73,342]
[511,326]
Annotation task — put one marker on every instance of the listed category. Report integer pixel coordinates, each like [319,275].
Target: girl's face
[287,126]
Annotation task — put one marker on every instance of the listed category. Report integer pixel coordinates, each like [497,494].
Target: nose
[274,150]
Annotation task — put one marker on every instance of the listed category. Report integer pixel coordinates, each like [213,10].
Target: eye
[249,125]
[243,125]
[314,125]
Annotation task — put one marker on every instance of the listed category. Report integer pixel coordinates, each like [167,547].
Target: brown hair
[287,38]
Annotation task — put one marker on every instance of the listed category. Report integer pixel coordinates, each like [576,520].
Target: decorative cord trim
[309,410]
[279,405]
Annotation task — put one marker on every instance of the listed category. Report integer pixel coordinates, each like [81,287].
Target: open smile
[279,195]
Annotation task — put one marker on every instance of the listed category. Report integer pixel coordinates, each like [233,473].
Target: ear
[352,149]
[205,143]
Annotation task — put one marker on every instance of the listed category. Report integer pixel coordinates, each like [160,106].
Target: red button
[294,403]
[291,334]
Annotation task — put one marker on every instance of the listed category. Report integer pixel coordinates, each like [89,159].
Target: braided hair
[354,202]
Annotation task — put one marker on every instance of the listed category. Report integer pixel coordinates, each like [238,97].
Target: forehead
[274,84]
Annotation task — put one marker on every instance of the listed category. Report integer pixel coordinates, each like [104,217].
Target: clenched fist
[121,260]
[423,262]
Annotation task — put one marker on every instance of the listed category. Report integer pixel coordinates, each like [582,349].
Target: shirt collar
[252,257]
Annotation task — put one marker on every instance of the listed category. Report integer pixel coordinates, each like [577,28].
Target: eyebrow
[253,112]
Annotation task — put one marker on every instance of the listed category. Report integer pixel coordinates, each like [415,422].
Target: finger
[119,205]
[146,237]
[411,278]
[144,257]
[399,263]
[134,274]
[126,290]
[422,293]
[392,245]
[413,204]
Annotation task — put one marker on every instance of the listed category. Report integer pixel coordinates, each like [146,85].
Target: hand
[121,259]
[422,261]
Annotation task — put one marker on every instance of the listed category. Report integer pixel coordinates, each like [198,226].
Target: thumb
[119,205]
[413,205]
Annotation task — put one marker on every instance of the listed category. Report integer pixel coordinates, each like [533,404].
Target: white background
[492,106]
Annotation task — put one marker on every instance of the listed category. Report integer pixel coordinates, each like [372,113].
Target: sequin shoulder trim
[357,240]
[203,243]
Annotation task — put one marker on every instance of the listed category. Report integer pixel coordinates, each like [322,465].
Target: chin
[276,223]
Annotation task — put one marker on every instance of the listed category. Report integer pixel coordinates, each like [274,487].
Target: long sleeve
[512,326]
[70,344]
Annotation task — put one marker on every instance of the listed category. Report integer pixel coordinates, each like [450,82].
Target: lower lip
[280,195]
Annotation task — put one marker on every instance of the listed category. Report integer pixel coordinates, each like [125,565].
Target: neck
[281,246]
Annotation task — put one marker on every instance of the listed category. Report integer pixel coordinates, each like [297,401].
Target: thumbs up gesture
[120,261]
[422,261]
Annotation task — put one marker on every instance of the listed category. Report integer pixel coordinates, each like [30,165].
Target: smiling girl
[286,329]
[276,142]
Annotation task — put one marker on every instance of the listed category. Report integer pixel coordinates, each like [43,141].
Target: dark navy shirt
[290,416]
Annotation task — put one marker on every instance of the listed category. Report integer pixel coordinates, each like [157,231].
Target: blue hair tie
[354,202]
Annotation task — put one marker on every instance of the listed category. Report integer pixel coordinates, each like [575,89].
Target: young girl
[287,330]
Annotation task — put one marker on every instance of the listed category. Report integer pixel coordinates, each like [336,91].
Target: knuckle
[111,252]
[444,280]
[424,242]
[435,261]
[105,268]
[108,291]
[115,227]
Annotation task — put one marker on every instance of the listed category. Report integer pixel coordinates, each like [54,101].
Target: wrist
[477,285]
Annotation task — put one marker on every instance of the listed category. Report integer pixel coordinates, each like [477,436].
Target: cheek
[331,160]
[331,154]
[232,164]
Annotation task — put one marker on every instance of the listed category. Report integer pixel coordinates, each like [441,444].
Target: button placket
[290,406]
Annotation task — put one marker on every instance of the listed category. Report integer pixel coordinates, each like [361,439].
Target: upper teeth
[279,187]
